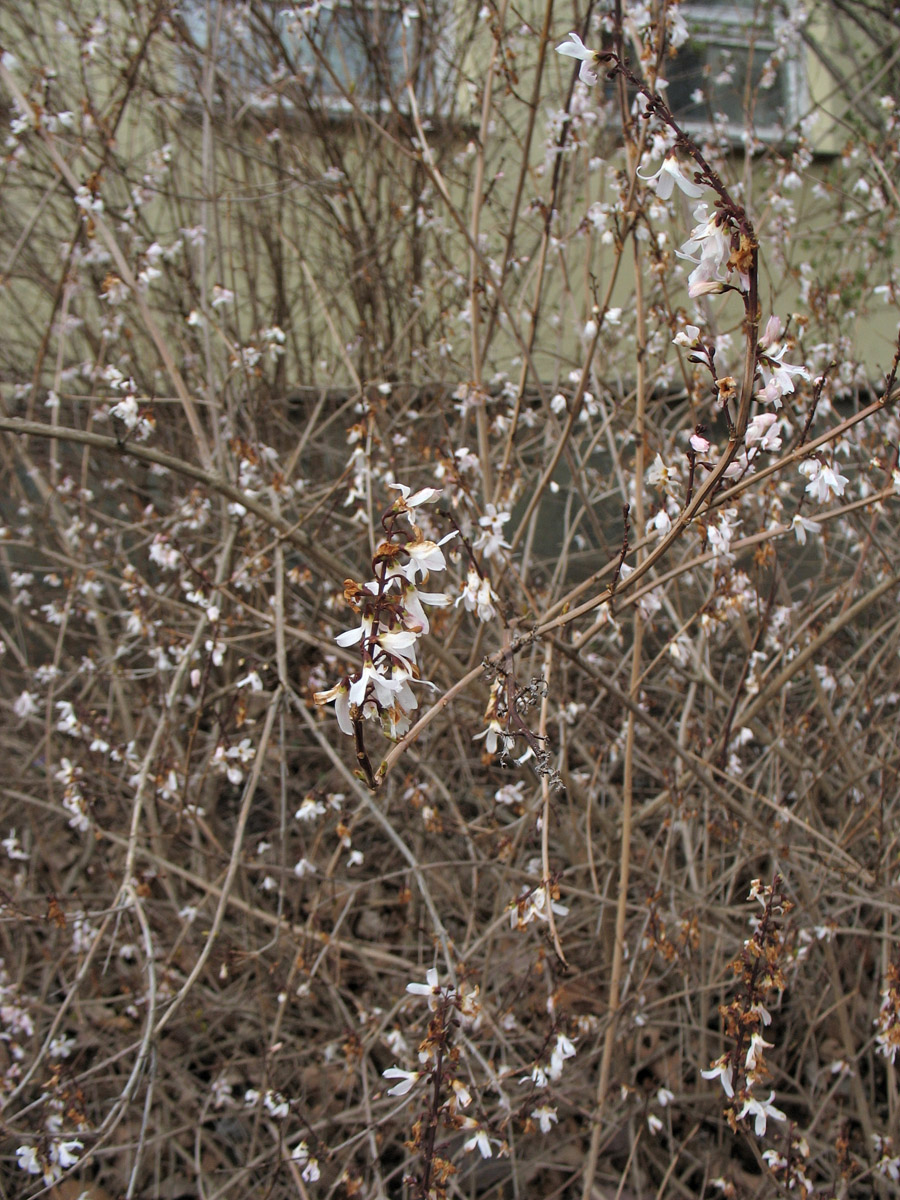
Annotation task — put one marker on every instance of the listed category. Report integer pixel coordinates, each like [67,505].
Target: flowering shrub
[450,574]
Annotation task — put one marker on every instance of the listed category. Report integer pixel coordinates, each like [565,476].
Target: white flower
[534,906]
[575,48]
[65,1153]
[564,1049]
[340,694]
[756,1052]
[385,688]
[461,1097]
[658,474]
[25,705]
[414,614]
[430,988]
[709,246]
[300,1155]
[13,849]
[660,524]
[538,1077]
[689,337]
[407,1080]
[478,596]
[778,376]
[802,526]
[761,1111]
[668,176]
[823,481]
[27,1159]
[481,1140]
[490,539]
[127,411]
[546,1117]
[422,496]
[721,1070]
[309,809]
[425,556]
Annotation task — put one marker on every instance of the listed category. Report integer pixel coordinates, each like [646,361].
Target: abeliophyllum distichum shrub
[481,783]
[706,488]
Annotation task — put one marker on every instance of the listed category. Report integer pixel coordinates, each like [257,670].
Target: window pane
[719,76]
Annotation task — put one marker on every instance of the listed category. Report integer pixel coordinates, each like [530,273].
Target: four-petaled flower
[761,1110]
[430,988]
[575,48]
[824,481]
[670,175]
[545,1116]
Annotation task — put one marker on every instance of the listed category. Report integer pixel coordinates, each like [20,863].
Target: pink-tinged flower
[700,443]
[772,332]
[406,1080]
[700,284]
[709,247]
[670,175]
[723,1071]
[575,48]
[760,430]
[761,1110]
[778,376]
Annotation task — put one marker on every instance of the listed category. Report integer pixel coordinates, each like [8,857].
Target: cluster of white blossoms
[778,376]
[887,1022]
[392,619]
[745,1068]
[452,1006]
[719,252]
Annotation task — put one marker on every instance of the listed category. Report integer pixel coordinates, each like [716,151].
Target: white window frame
[333,98]
[726,24]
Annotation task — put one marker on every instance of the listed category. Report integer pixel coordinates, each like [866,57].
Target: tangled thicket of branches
[450,625]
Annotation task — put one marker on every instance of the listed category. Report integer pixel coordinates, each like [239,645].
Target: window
[733,73]
[338,54]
